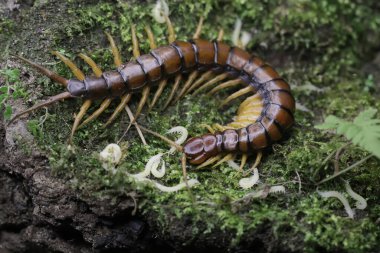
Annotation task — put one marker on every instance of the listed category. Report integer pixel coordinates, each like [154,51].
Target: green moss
[323,41]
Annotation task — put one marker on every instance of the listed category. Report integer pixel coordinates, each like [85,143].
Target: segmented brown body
[178,57]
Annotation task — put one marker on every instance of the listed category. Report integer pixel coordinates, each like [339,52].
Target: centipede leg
[204,77]
[194,74]
[226,158]
[178,79]
[237,94]
[258,159]
[78,117]
[87,103]
[146,89]
[209,161]
[124,101]
[210,83]
[98,73]
[228,84]
[244,158]
[103,106]
[115,51]
[162,84]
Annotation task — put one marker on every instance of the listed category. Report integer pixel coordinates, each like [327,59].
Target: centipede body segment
[262,118]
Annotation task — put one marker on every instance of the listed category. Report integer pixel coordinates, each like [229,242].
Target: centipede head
[199,149]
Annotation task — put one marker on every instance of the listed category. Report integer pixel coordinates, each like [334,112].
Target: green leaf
[8,112]
[364,131]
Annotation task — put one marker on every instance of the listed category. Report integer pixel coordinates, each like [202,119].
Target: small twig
[345,170]
[337,155]
[132,119]
[299,182]
[172,143]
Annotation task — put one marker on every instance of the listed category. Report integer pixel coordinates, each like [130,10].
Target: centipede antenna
[47,102]
[167,140]
[52,75]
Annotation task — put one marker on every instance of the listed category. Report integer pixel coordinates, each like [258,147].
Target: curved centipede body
[262,118]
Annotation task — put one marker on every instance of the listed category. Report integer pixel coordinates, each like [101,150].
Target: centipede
[263,117]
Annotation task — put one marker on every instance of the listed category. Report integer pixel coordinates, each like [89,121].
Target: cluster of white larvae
[111,156]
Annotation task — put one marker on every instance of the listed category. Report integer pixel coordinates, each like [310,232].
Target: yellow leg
[199,29]
[158,93]
[79,117]
[152,43]
[244,158]
[237,94]
[188,83]
[178,79]
[97,71]
[115,51]
[124,101]
[104,105]
[209,161]
[135,43]
[204,77]
[220,35]
[226,158]
[228,84]
[209,128]
[212,82]
[171,36]
[145,94]
[76,71]
[258,159]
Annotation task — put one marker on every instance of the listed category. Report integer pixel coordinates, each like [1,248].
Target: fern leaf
[364,131]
